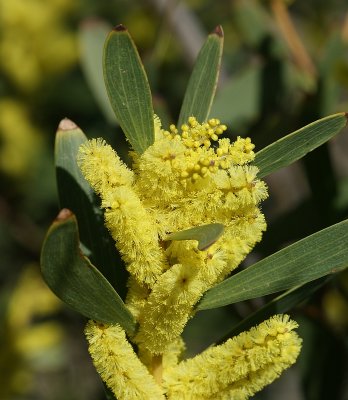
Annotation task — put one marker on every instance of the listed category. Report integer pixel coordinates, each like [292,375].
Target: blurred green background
[285,64]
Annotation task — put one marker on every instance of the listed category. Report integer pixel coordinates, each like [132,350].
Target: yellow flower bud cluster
[34,40]
[187,178]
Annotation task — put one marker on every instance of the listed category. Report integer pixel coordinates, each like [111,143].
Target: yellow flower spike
[180,182]
[135,234]
[130,225]
[102,167]
[136,297]
[118,365]
[168,307]
[238,368]
[170,304]
[158,177]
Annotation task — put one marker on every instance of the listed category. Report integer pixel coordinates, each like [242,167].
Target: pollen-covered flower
[118,365]
[188,177]
[238,368]
[185,179]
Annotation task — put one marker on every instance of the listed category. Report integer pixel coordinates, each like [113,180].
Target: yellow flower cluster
[187,178]
[34,41]
[238,368]
[234,370]
[118,365]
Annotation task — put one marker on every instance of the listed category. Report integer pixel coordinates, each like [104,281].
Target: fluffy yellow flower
[187,178]
[179,182]
[102,167]
[118,365]
[238,368]
[130,225]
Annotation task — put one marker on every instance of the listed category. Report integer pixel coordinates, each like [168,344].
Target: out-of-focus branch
[291,37]
[184,25]
[186,28]
[344,32]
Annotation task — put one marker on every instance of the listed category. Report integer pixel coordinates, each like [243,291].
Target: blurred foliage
[28,342]
[285,64]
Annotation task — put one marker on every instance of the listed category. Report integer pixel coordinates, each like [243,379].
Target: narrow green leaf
[206,235]
[92,35]
[202,84]
[76,194]
[69,138]
[297,144]
[317,255]
[72,277]
[128,89]
[279,305]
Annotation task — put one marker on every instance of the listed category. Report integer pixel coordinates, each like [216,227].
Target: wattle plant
[182,219]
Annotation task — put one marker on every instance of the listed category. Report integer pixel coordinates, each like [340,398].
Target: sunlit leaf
[72,277]
[128,89]
[294,146]
[202,84]
[317,255]
[206,235]
[76,194]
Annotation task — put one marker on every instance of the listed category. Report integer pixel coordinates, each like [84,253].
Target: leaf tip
[63,215]
[218,31]
[67,125]
[119,28]
[346,115]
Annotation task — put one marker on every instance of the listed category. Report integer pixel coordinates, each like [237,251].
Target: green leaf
[76,194]
[279,305]
[206,235]
[72,277]
[128,89]
[297,144]
[202,84]
[325,252]
[92,35]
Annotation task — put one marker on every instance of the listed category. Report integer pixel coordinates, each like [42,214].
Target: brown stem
[157,369]
[291,37]
[345,29]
